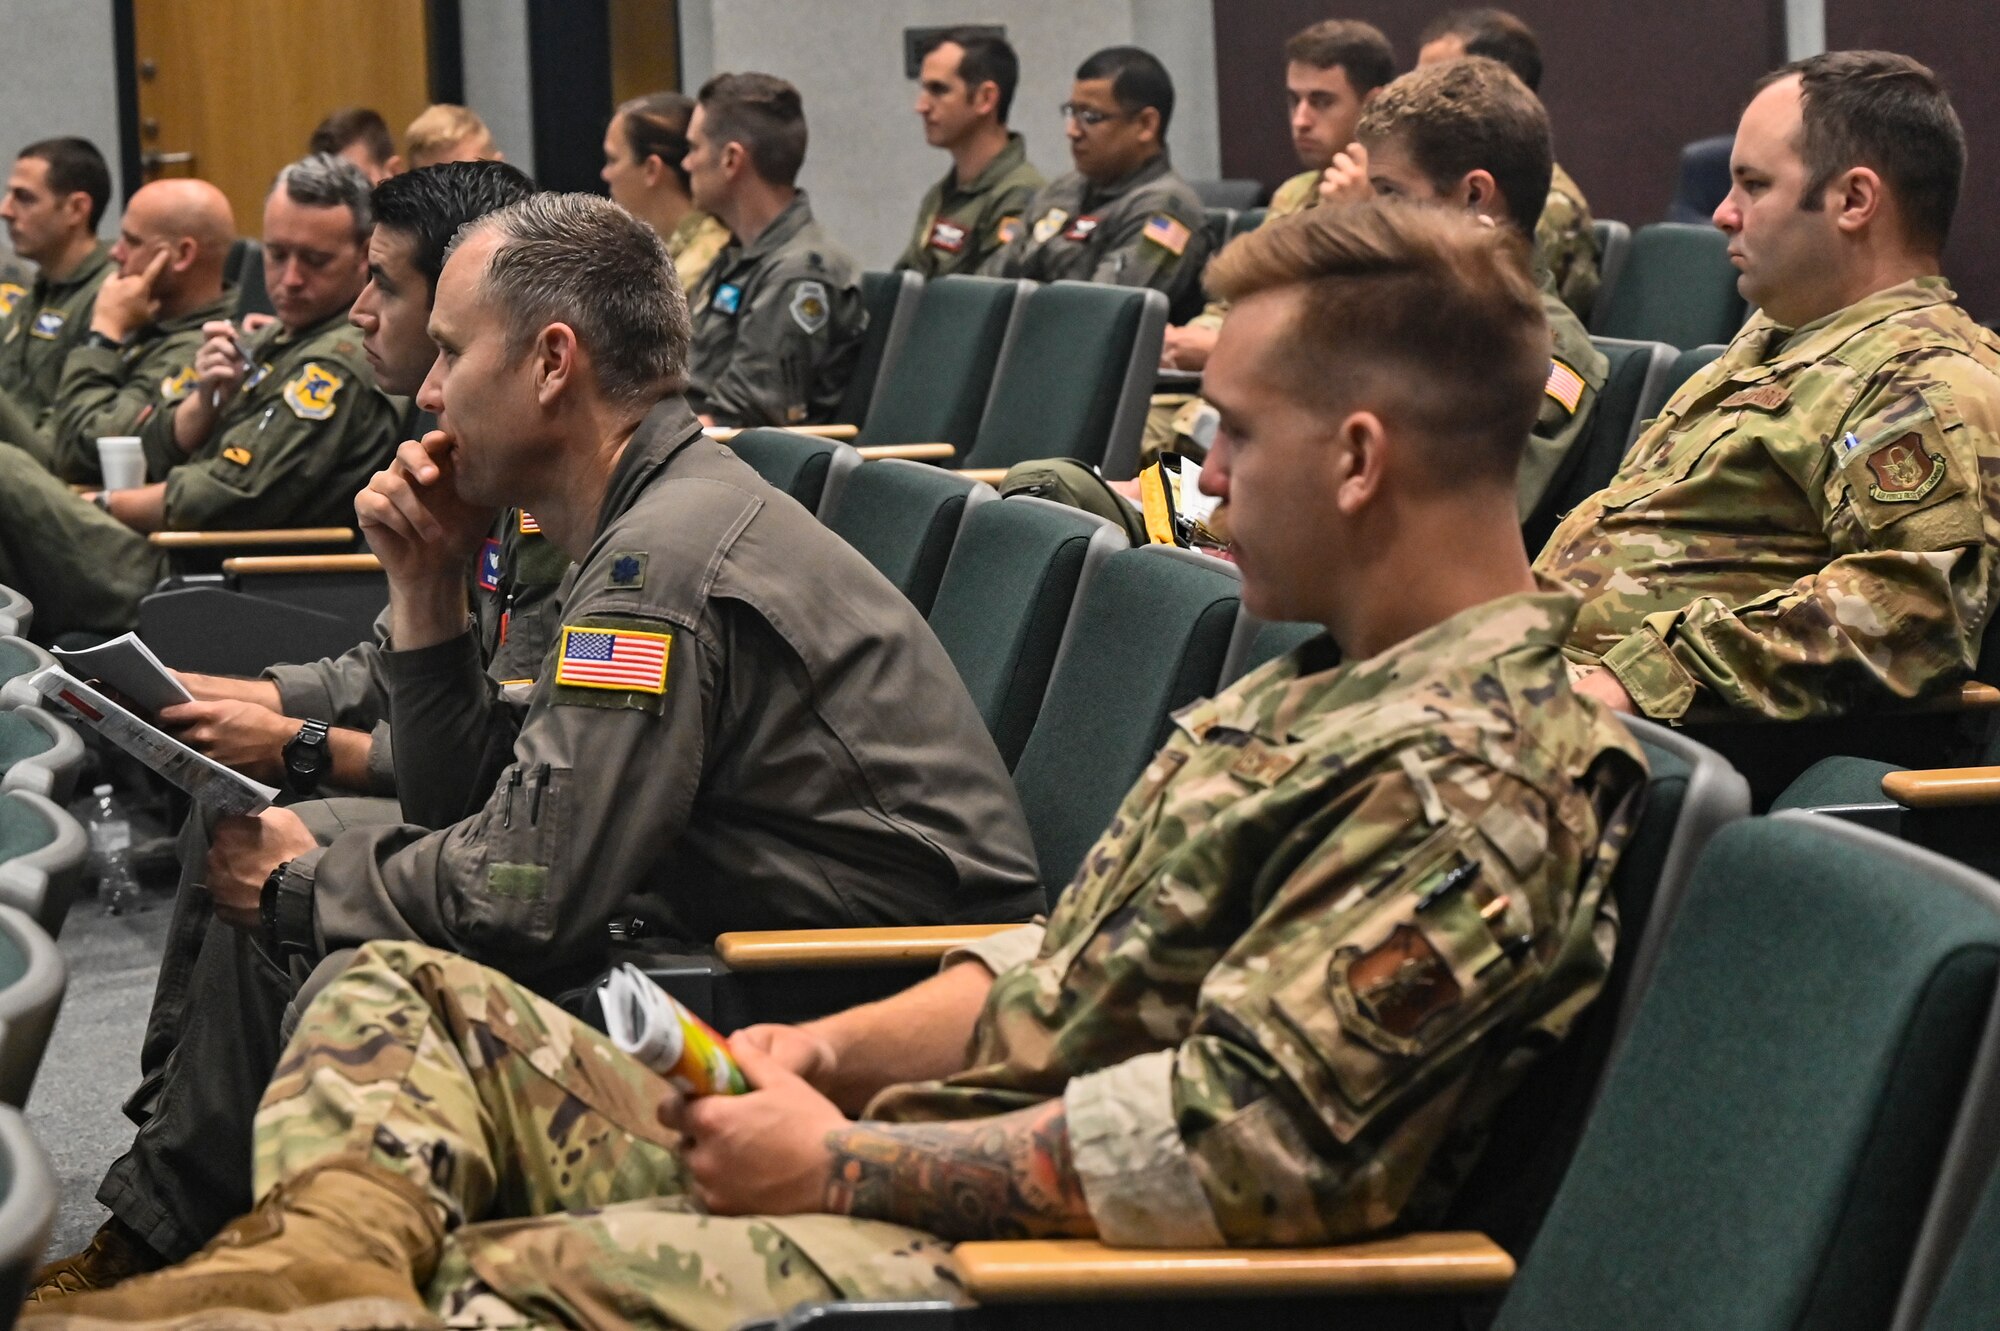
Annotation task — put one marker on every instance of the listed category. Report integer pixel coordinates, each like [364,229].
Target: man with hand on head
[1123,217]
[56,196]
[137,360]
[1326,932]
[964,91]
[778,317]
[282,427]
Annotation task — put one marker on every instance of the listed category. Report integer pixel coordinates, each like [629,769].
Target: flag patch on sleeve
[1168,234]
[1564,385]
[529,527]
[607,658]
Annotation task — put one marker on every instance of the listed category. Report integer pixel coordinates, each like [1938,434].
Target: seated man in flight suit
[1321,938]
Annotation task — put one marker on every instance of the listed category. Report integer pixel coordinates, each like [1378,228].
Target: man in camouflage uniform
[55,200]
[1565,244]
[282,428]
[778,319]
[1321,937]
[964,92]
[137,359]
[1123,217]
[1810,526]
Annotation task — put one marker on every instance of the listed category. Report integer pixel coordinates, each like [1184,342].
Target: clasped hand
[763,1153]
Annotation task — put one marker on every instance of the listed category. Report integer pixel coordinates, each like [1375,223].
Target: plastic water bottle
[111,852]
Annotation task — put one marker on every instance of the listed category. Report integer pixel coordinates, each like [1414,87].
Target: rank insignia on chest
[528,525]
[177,386]
[593,658]
[1081,228]
[1168,234]
[1564,385]
[947,236]
[489,566]
[311,394]
[48,325]
[1050,225]
[10,296]
[727,298]
[1008,231]
[1905,471]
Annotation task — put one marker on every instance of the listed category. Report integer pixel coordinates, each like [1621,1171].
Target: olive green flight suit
[115,392]
[960,226]
[44,326]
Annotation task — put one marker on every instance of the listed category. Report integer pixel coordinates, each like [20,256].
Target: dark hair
[984,59]
[1495,34]
[656,126]
[1469,115]
[763,113]
[430,204]
[1418,312]
[1359,48]
[75,167]
[354,124]
[1138,80]
[1888,113]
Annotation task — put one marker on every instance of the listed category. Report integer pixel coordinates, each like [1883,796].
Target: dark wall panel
[1954,38]
[1626,84]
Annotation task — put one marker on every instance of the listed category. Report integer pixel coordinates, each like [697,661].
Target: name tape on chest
[310,394]
[623,660]
[489,566]
[947,237]
[1081,228]
[48,325]
[809,307]
[1168,234]
[1564,385]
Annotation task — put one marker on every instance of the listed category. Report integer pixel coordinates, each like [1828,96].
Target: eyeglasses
[1088,116]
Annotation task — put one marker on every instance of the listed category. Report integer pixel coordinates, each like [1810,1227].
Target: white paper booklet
[130,667]
[208,781]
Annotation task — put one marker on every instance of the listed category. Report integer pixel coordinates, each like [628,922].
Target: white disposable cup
[123,461]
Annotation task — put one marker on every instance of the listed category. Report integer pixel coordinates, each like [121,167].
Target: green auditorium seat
[1256,642]
[1677,287]
[891,299]
[903,517]
[42,851]
[1636,367]
[935,390]
[1219,225]
[1614,249]
[27,1208]
[17,613]
[19,660]
[1954,1279]
[1247,220]
[32,977]
[809,469]
[1075,379]
[38,754]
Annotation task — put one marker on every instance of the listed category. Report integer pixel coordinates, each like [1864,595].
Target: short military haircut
[763,113]
[325,181]
[984,59]
[429,205]
[1468,115]
[75,167]
[1888,113]
[1138,80]
[581,260]
[350,125]
[1356,47]
[1419,313]
[1495,34]
[656,125]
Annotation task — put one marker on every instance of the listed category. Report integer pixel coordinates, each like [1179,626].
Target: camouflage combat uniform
[1324,932]
[960,227]
[1569,400]
[694,245]
[39,331]
[1809,527]
[1565,245]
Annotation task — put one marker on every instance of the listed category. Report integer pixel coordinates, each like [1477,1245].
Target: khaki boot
[345,1245]
[114,1253]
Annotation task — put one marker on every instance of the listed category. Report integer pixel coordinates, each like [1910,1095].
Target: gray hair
[581,260]
[325,181]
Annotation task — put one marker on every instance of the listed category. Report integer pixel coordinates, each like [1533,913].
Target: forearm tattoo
[1007,1177]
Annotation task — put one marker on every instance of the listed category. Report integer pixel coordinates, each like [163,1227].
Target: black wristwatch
[305,758]
[284,918]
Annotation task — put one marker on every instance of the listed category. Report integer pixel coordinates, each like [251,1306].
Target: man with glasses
[1123,216]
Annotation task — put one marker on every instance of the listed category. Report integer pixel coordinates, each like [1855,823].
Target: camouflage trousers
[500,1104]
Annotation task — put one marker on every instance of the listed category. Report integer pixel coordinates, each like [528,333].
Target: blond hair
[437,132]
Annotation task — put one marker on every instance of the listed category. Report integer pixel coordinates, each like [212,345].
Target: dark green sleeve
[19,427]
[102,395]
[788,333]
[267,466]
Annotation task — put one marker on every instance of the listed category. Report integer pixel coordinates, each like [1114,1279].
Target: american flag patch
[529,527]
[1565,385]
[593,658]
[1168,234]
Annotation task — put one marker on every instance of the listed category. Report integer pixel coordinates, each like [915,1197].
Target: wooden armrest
[1976,697]
[990,475]
[801,949]
[302,564]
[910,452]
[222,540]
[1943,787]
[722,434]
[1041,1269]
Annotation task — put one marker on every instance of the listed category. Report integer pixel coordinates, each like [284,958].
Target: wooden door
[230,90]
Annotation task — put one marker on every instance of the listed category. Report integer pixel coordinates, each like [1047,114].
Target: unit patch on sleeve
[1905,471]
[605,664]
[310,395]
[1168,234]
[809,307]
